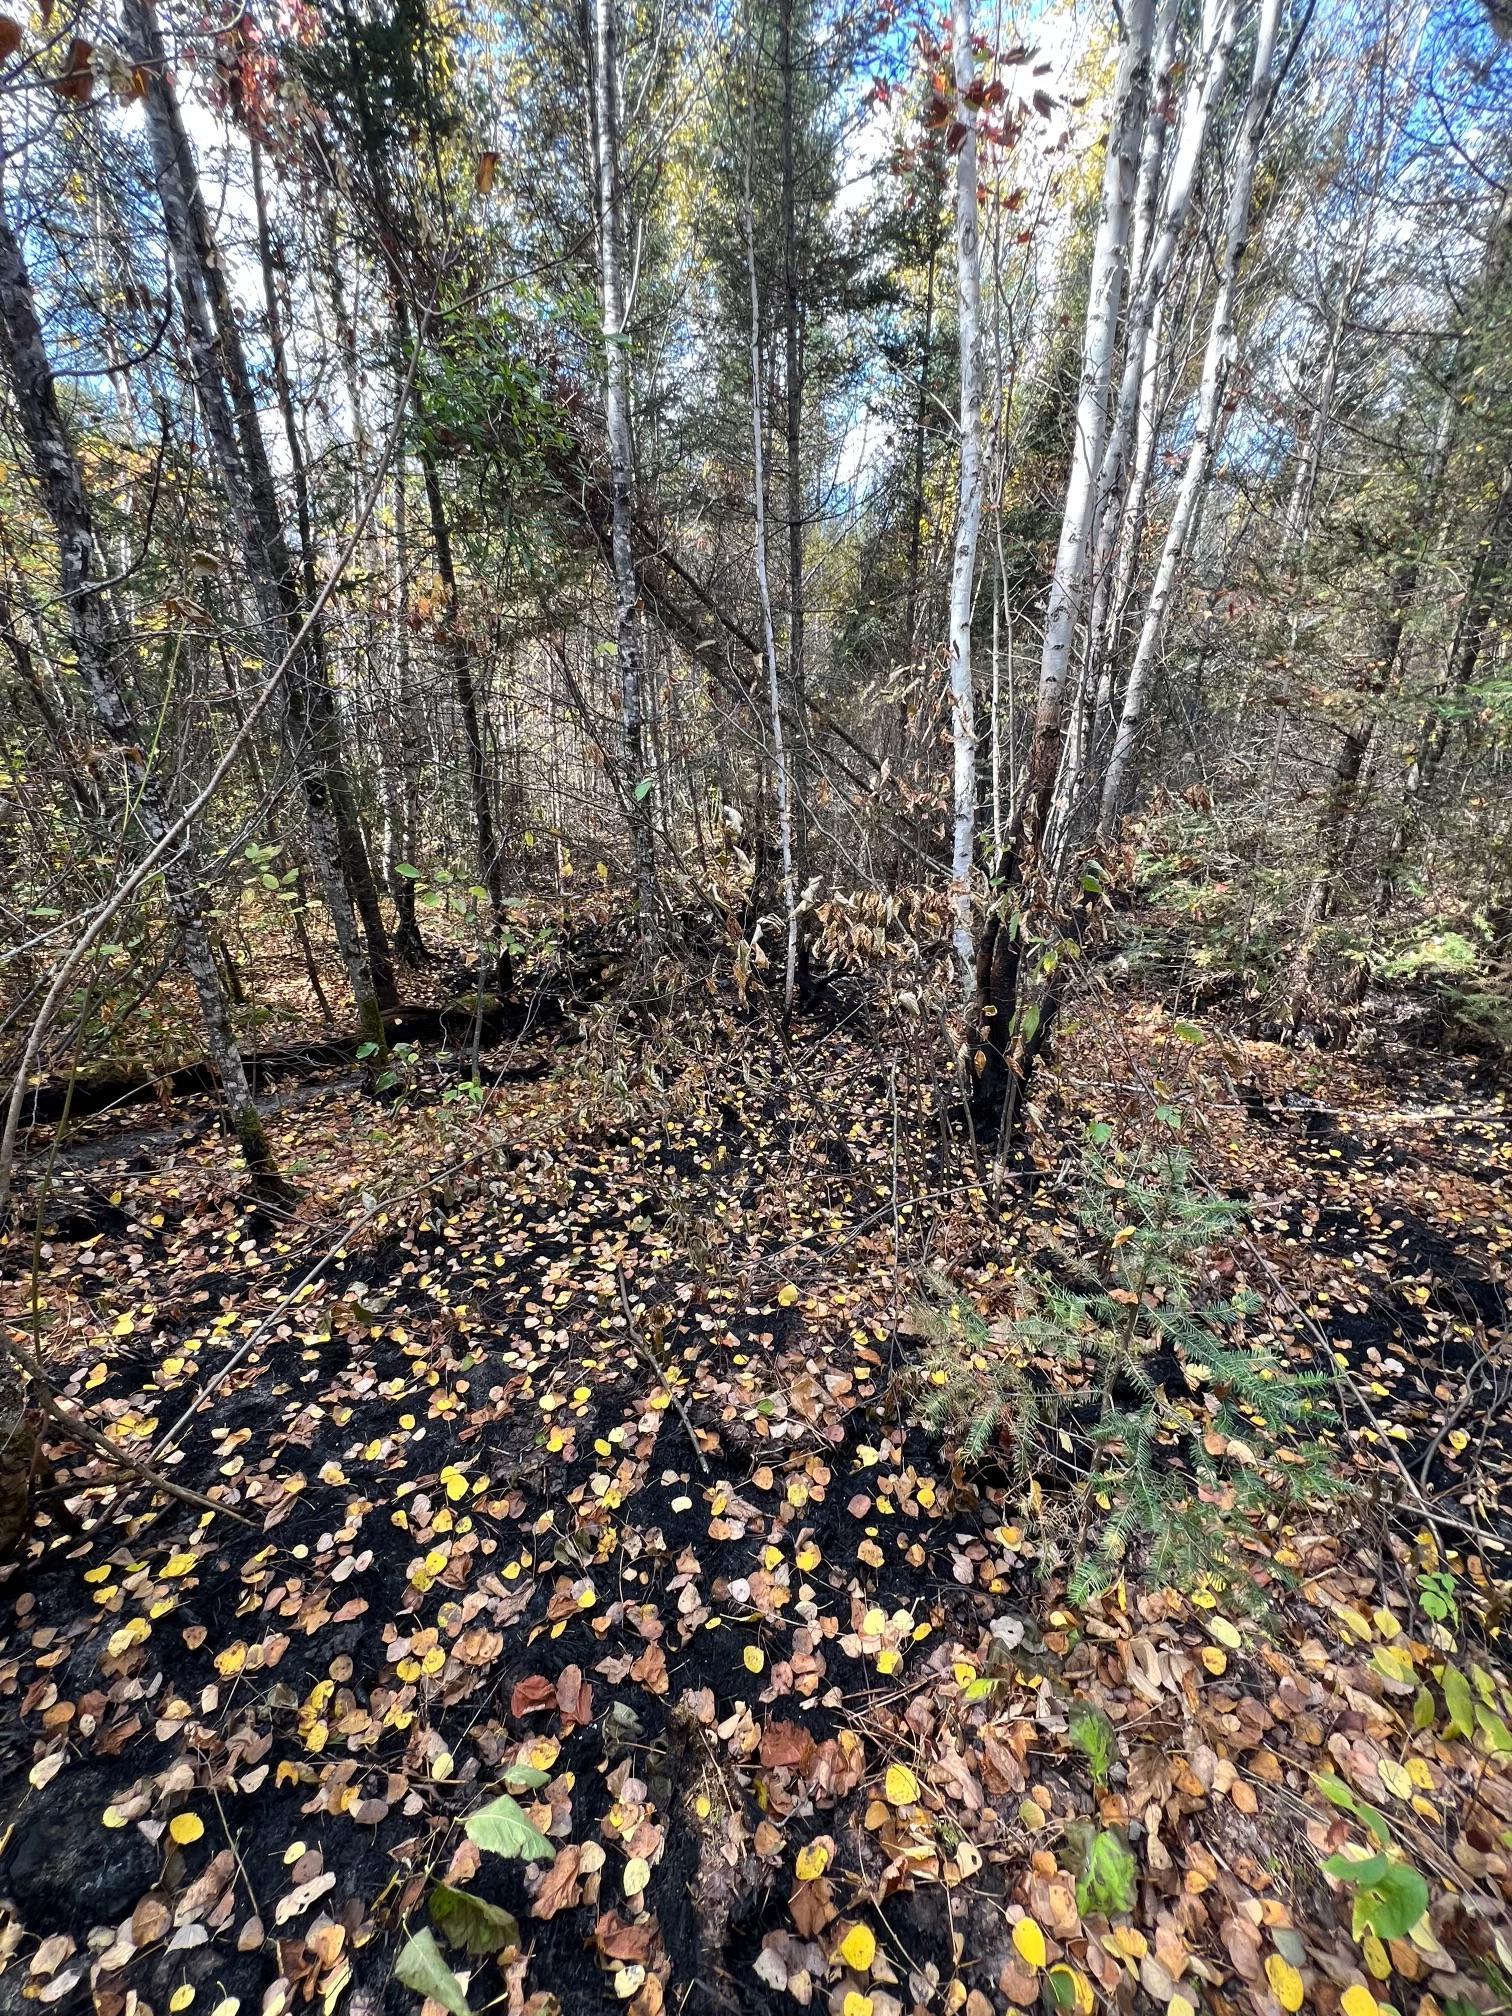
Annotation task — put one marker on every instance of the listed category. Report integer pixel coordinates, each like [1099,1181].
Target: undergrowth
[1139,1423]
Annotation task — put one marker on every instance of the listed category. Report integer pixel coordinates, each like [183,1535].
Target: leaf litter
[608,1634]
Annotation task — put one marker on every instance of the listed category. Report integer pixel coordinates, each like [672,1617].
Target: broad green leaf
[502,1829]
[421,1967]
[472,1923]
[1389,1897]
[1348,1869]
[1459,1700]
[526,1778]
[1107,1882]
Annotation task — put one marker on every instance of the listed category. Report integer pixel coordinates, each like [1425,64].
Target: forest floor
[569,1450]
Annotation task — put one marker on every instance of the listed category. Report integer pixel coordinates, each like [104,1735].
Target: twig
[79,1430]
[645,1352]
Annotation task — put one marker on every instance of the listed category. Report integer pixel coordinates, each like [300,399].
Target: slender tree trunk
[793,396]
[1120,483]
[1217,363]
[100,653]
[921,435]
[1338,824]
[764,597]
[222,388]
[1104,301]
[408,940]
[459,657]
[1484,596]
[968,506]
[635,787]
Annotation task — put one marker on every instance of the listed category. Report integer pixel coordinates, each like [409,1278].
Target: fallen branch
[77,1429]
[645,1352]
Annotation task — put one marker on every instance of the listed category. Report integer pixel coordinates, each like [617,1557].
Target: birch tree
[968,504]
[1217,365]
[1105,295]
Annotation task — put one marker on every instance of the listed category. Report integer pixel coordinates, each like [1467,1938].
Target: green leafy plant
[1437,1599]
[472,1923]
[1116,1369]
[1109,1875]
[1091,1732]
[1389,1895]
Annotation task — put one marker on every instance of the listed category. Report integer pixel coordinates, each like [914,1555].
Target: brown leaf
[150,1920]
[10,36]
[532,1694]
[786,1744]
[1019,1983]
[76,80]
[618,1941]
[574,1696]
[561,1885]
[651,1669]
[484,178]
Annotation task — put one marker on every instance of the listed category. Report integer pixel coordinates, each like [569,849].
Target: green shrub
[1133,1413]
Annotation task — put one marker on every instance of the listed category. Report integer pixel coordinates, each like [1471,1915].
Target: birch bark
[968,508]
[1104,301]
[1217,363]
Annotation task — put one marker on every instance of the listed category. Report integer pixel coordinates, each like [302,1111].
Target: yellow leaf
[1377,1959]
[114,1817]
[813,1861]
[181,1997]
[902,1787]
[1358,2001]
[1394,1778]
[1285,1982]
[186,1827]
[1030,1942]
[858,1948]
[637,1875]
[1180,2006]
[755,1658]
[1215,1661]
[179,1564]
[856,2004]
[1226,1633]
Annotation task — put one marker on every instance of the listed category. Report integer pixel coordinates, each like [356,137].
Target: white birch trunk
[1136,389]
[1104,301]
[1217,362]
[968,508]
